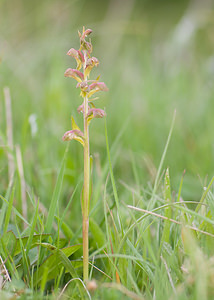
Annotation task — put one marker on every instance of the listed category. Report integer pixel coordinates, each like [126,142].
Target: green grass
[151,229]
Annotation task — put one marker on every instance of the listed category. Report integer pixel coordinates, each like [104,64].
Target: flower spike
[85,63]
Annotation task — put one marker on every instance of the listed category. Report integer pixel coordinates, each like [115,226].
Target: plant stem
[85,209]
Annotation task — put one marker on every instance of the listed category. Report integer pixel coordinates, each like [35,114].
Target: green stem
[85,209]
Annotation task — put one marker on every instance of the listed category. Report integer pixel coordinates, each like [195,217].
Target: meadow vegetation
[151,229]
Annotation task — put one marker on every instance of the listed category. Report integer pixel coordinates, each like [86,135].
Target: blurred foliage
[152,66]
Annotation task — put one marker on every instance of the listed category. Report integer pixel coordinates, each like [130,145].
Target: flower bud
[86,33]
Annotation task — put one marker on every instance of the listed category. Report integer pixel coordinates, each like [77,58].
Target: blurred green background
[155,57]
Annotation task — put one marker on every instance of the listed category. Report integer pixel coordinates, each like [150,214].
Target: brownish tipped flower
[96,112]
[99,86]
[93,61]
[80,109]
[76,54]
[73,52]
[83,86]
[86,33]
[76,74]
[74,135]
[87,46]
[71,134]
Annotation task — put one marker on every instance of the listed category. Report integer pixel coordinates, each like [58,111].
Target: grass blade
[152,201]
[168,210]
[112,176]
[56,194]
[9,210]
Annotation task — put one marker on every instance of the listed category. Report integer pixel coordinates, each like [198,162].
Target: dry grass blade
[63,290]
[99,270]
[4,275]
[171,220]
[123,290]
[9,123]
[22,180]
[168,273]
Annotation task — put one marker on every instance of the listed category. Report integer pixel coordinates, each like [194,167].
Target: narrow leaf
[8,212]
[9,241]
[74,124]
[168,210]
[53,262]
[98,234]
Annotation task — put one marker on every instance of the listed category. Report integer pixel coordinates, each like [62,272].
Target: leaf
[5,205]
[209,246]
[210,201]
[3,210]
[9,243]
[189,241]
[70,268]
[204,195]
[32,230]
[65,228]
[9,210]
[98,234]
[62,242]
[53,263]
[74,125]
[33,243]
[91,93]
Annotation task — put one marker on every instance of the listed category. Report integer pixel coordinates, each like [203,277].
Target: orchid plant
[85,63]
